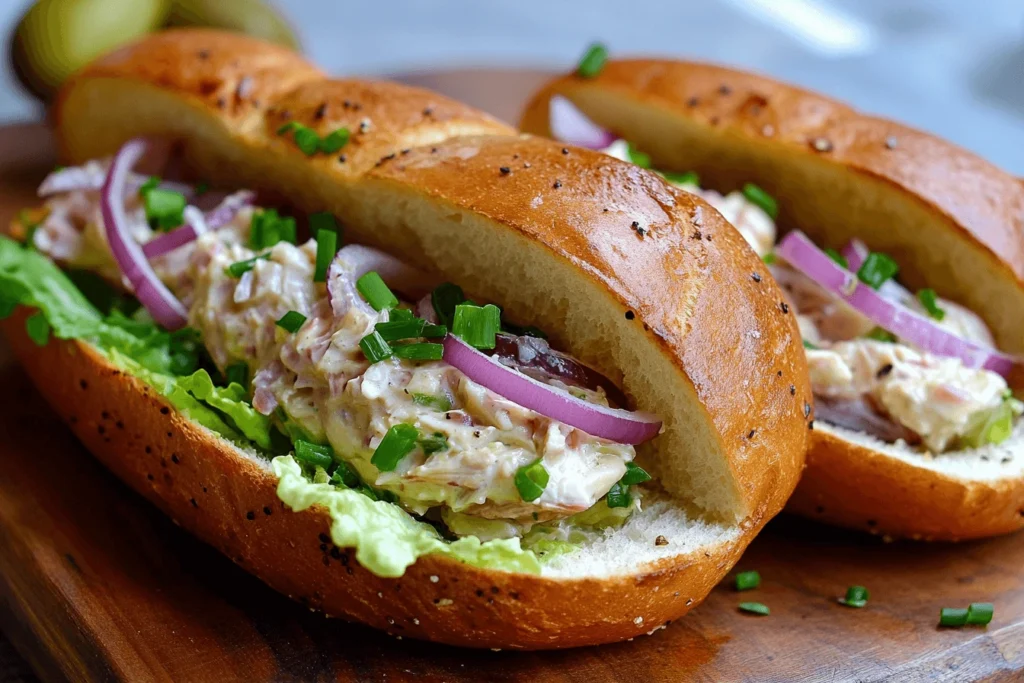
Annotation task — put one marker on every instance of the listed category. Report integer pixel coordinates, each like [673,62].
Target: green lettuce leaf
[386,538]
[230,400]
[167,361]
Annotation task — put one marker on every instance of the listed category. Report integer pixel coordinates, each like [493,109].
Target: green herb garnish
[291,321]
[440,403]
[856,596]
[755,608]
[434,443]
[746,581]
[326,248]
[877,269]
[165,209]
[531,480]
[477,325]
[422,351]
[687,178]
[637,157]
[314,454]
[239,268]
[930,300]
[375,348]
[878,334]
[334,141]
[397,443]
[593,61]
[376,293]
[444,299]
[755,195]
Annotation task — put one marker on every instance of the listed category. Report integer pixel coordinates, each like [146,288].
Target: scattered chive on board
[755,608]
[746,581]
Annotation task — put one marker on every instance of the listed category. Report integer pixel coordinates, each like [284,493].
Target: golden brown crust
[209,488]
[591,209]
[966,242]
[760,128]
[214,492]
[850,485]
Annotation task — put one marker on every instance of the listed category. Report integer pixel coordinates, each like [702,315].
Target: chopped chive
[953,616]
[150,184]
[407,328]
[593,61]
[634,475]
[307,140]
[423,351]
[755,608]
[637,157]
[237,373]
[375,348]
[334,141]
[322,221]
[878,334]
[477,325]
[434,443]
[746,581]
[326,248]
[440,403]
[267,228]
[397,443]
[980,613]
[376,293]
[856,596]
[618,496]
[165,209]
[531,480]
[396,314]
[239,268]
[314,454]
[755,195]
[877,269]
[769,258]
[930,300]
[345,476]
[291,321]
[809,345]
[288,127]
[444,299]
[837,257]
[37,327]
[688,178]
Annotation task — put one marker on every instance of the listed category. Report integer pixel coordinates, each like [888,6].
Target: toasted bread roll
[953,222]
[682,316]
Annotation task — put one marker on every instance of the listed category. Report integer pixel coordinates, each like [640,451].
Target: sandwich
[404,364]
[901,255]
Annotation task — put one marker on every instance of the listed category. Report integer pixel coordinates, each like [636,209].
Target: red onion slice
[855,253]
[225,212]
[798,250]
[151,292]
[535,355]
[569,124]
[196,223]
[354,261]
[620,426]
[91,176]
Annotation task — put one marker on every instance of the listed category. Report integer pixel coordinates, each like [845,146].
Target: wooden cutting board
[95,584]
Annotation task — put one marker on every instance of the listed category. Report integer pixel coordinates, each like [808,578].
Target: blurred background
[951,67]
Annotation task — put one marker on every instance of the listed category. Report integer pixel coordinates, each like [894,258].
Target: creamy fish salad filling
[865,378]
[318,385]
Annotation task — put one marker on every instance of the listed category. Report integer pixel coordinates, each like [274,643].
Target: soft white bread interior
[676,316]
[952,221]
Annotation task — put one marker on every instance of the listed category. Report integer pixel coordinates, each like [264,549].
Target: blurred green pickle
[55,38]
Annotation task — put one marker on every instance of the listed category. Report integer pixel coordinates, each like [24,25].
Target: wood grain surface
[95,584]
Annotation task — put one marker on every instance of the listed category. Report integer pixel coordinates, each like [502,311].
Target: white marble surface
[948,66]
